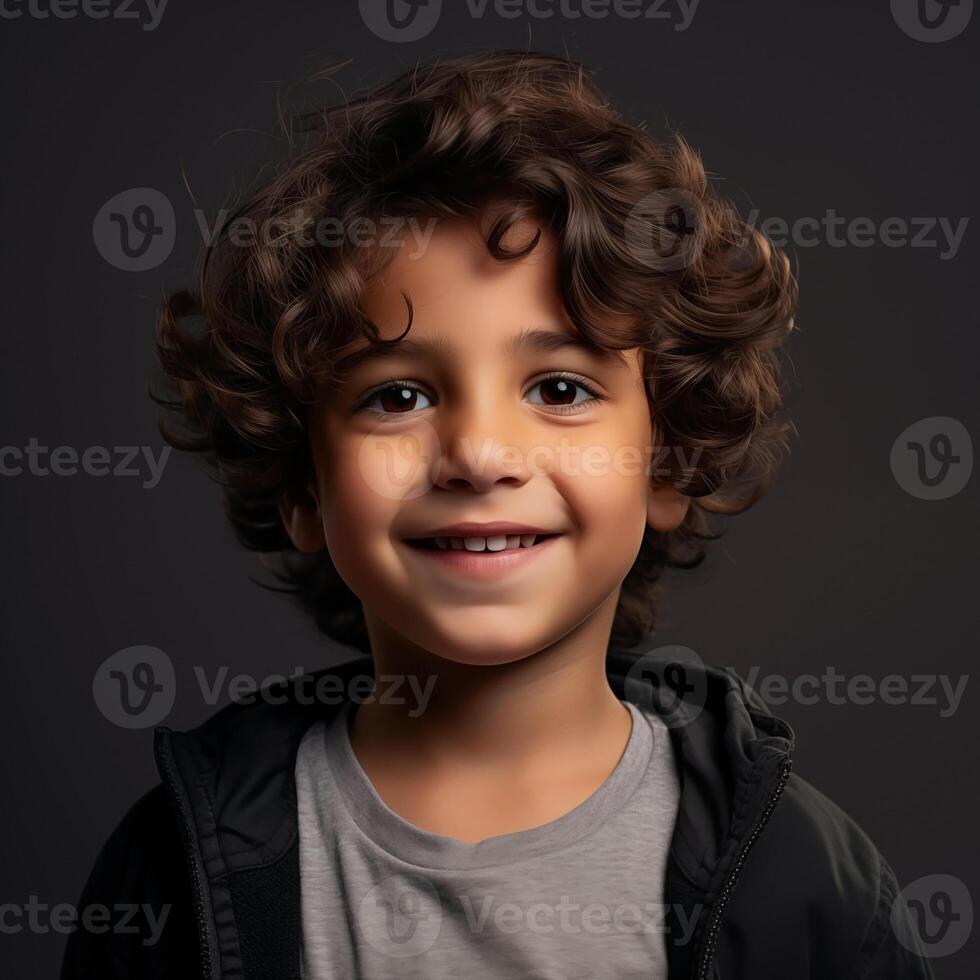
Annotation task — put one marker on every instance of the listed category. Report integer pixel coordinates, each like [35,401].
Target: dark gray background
[796,107]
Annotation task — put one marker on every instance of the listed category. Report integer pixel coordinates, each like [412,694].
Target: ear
[300,513]
[666,507]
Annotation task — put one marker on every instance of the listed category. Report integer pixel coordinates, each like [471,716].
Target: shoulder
[829,856]
[821,856]
[816,884]
[143,843]
[134,913]
[816,880]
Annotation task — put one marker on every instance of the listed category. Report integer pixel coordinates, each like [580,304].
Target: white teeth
[500,542]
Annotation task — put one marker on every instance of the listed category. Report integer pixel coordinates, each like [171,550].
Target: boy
[477,443]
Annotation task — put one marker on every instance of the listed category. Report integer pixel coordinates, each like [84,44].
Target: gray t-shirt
[579,897]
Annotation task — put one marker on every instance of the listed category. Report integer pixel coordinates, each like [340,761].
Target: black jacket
[780,883]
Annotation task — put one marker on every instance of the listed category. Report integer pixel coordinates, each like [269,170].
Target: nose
[481,446]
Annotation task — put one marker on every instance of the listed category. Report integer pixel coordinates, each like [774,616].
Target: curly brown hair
[649,256]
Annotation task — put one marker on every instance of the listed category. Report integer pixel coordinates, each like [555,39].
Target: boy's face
[478,429]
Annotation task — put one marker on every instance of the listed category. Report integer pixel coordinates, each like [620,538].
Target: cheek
[365,481]
[611,508]
[605,478]
[388,467]
[355,506]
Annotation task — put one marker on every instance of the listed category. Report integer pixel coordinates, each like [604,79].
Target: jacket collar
[231,783]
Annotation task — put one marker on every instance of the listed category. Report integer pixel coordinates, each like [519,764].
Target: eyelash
[594,396]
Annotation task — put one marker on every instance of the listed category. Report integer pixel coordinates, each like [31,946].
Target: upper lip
[472,529]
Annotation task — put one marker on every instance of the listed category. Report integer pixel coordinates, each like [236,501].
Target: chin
[483,644]
[485,658]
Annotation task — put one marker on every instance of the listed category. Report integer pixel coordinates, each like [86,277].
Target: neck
[555,704]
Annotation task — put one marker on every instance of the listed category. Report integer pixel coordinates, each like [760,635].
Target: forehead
[467,306]
[458,289]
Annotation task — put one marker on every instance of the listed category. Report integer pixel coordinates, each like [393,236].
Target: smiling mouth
[494,545]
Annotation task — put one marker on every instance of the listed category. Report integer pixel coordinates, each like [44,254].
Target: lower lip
[485,564]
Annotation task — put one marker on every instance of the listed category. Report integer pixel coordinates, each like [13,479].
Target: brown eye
[398,398]
[557,391]
[563,391]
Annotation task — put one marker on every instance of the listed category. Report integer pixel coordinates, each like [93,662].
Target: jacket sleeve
[892,949]
[134,918]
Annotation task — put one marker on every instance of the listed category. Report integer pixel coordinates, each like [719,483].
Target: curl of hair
[531,135]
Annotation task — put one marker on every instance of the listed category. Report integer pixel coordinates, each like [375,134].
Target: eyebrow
[531,339]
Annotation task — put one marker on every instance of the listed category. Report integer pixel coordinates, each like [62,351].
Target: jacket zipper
[714,928]
[194,862]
